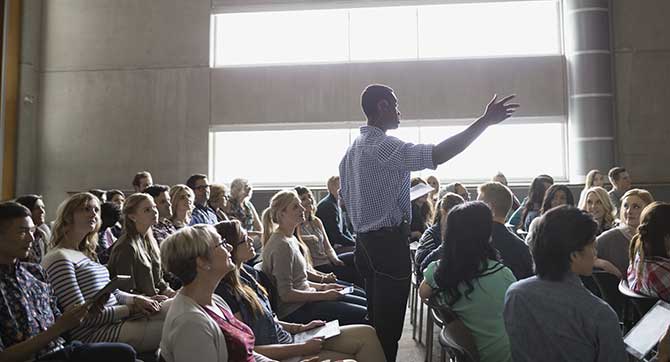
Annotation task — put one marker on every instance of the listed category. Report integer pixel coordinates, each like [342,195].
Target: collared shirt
[243,213]
[203,214]
[163,229]
[375,178]
[650,276]
[27,305]
[560,321]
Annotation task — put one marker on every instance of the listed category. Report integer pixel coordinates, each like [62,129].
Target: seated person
[552,316]
[322,255]
[556,195]
[142,180]
[500,177]
[110,215]
[620,180]
[458,189]
[435,184]
[249,302]
[329,212]
[433,237]
[42,233]
[422,212]
[243,210]
[32,324]
[649,270]
[161,196]
[202,213]
[530,206]
[594,178]
[614,244]
[200,325]
[300,301]
[116,197]
[218,201]
[513,250]
[598,204]
[136,252]
[470,280]
[76,276]
[182,205]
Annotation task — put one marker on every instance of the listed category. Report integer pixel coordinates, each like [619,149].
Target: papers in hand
[330,329]
[419,190]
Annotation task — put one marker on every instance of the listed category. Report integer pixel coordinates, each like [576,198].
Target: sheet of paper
[419,190]
[331,329]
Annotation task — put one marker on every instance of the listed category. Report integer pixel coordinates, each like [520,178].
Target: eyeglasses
[222,243]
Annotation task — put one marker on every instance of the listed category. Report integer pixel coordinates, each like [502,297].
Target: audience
[552,316]
[513,250]
[598,204]
[161,196]
[136,252]
[593,179]
[620,180]
[329,212]
[200,325]
[300,300]
[649,269]
[101,195]
[218,201]
[182,198]
[243,210]
[42,233]
[323,257]
[76,277]
[500,177]
[249,301]
[613,245]
[116,197]
[202,213]
[430,244]
[142,180]
[556,195]
[459,190]
[422,212]
[32,324]
[435,184]
[530,207]
[471,281]
[110,215]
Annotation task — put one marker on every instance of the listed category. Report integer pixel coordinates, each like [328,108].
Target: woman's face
[145,214]
[598,180]
[245,248]
[220,258]
[432,181]
[38,213]
[307,201]
[294,214]
[87,216]
[594,206]
[560,198]
[631,208]
[185,204]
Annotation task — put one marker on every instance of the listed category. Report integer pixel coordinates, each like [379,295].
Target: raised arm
[496,112]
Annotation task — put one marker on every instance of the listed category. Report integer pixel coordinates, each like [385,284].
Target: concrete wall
[642,74]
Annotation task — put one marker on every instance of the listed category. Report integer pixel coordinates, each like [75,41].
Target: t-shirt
[482,310]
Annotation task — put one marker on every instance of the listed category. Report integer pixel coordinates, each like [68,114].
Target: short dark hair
[155,190]
[614,173]
[111,193]
[11,210]
[561,231]
[140,175]
[100,194]
[371,95]
[28,201]
[110,214]
[193,179]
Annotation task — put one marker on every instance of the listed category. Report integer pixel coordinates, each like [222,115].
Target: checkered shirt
[654,277]
[375,178]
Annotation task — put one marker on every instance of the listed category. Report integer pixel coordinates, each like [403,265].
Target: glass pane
[281,37]
[279,158]
[489,29]
[383,33]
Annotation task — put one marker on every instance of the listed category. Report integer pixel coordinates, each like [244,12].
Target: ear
[202,263]
[382,105]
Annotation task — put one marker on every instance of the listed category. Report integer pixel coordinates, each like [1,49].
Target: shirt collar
[371,130]
[573,278]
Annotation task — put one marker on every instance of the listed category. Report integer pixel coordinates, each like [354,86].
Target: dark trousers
[350,309]
[383,259]
[86,352]
[346,272]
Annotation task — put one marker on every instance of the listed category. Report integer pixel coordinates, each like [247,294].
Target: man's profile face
[17,237]
[389,115]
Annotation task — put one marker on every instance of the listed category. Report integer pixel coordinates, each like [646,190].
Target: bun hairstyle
[651,234]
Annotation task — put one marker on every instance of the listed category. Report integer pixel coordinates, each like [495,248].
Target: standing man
[202,213]
[620,180]
[375,184]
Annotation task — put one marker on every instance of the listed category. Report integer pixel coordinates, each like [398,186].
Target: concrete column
[590,87]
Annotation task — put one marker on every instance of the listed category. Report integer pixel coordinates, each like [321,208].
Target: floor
[410,350]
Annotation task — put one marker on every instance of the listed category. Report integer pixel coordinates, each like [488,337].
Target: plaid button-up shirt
[375,178]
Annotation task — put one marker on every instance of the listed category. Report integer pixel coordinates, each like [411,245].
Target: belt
[385,229]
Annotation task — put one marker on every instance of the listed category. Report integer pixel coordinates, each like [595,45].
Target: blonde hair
[643,194]
[216,191]
[603,196]
[279,202]
[130,233]
[177,192]
[332,180]
[498,196]
[65,220]
[180,250]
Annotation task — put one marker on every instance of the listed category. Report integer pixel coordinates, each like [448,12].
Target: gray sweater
[613,246]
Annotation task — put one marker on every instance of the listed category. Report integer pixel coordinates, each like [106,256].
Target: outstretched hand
[497,111]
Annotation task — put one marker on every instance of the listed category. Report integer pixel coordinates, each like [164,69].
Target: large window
[516,28]
[294,154]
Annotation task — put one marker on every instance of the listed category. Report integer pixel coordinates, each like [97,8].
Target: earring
[208,267]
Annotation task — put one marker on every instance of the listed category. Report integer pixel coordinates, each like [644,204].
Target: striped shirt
[375,178]
[75,279]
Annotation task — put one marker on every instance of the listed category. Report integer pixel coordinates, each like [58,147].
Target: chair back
[455,336]
[590,284]
[642,303]
[608,284]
